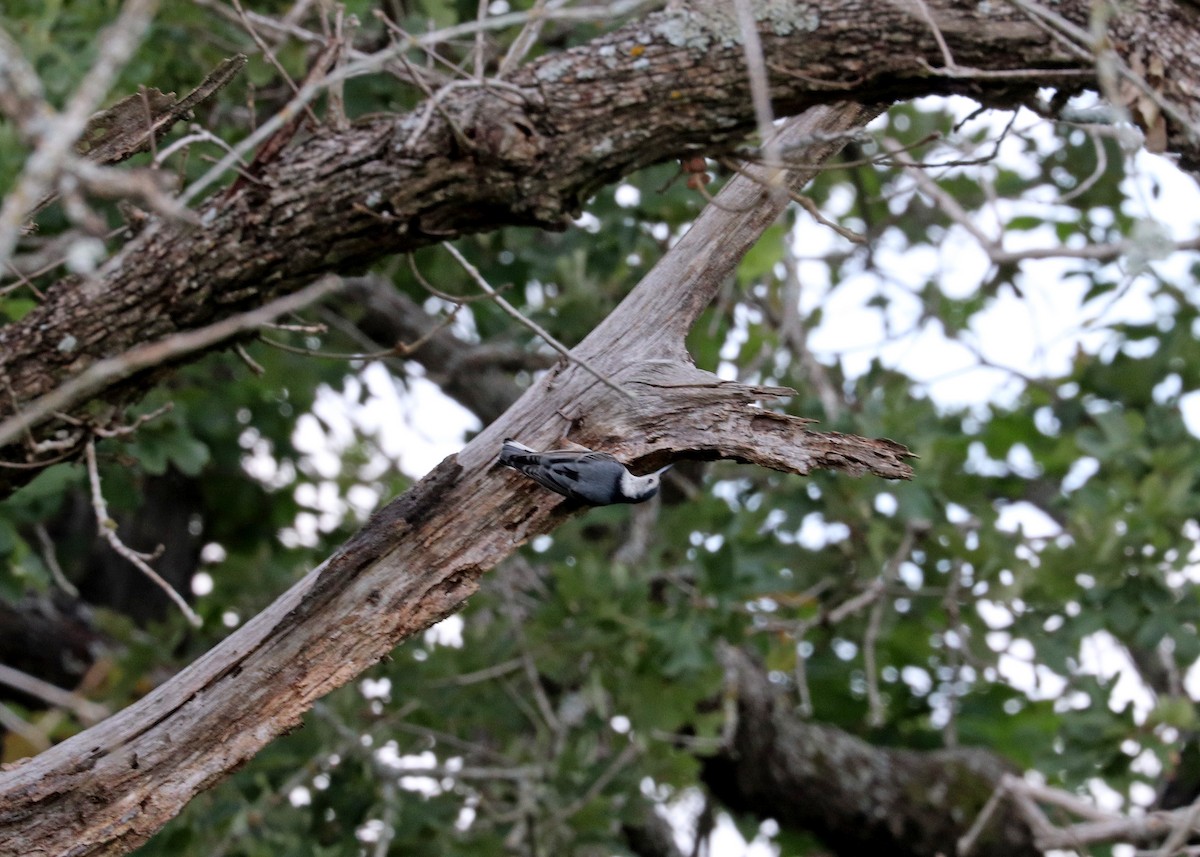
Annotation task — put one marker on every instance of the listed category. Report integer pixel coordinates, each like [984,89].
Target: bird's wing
[562,472]
[555,457]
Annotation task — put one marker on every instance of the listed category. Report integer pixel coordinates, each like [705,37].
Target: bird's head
[640,488]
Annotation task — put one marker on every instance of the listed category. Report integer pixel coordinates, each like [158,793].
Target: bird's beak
[663,470]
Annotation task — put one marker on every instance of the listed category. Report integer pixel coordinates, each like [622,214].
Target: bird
[595,478]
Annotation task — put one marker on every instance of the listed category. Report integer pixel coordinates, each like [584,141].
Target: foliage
[582,680]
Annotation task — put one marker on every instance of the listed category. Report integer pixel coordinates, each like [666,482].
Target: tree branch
[109,788]
[525,151]
[857,798]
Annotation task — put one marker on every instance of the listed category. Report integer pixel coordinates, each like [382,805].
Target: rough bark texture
[108,789]
[857,798]
[672,84]
[805,775]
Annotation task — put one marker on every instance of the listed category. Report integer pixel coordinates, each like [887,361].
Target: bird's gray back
[593,477]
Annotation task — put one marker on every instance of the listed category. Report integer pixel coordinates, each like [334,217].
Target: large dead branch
[527,151]
[108,789]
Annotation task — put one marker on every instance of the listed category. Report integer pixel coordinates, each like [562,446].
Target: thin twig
[270,57]
[623,759]
[994,248]
[55,145]
[1084,41]
[390,797]
[481,16]
[87,711]
[122,430]
[876,715]
[474,274]
[50,557]
[947,57]
[800,676]
[966,843]
[485,674]
[1183,828]
[21,96]
[525,39]
[760,89]
[530,667]
[367,63]
[108,531]
[953,654]
[18,725]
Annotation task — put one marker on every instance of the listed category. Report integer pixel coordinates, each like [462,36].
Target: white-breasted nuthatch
[595,478]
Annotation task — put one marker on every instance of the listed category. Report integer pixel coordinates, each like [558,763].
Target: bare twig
[1097,174]
[50,557]
[21,96]
[1098,826]
[515,313]
[554,12]
[794,332]
[1183,828]
[760,89]
[994,248]
[1086,44]
[954,656]
[530,667]
[481,17]
[947,57]
[876,715]
[389,795]
[966,842]
[277,141]
[367,63]
[18,725]
[126,429]
[525,39]
[623,759]
[485,674]
[58,137]
[108,531]
[270,57]
[87,711]
[343,33]
[800,676]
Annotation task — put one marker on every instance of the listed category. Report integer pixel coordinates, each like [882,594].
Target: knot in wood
[500,132]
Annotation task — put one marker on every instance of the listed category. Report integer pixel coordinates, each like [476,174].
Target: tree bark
[858,799]
[807,776]
[109,788]
[670,85]
[528,153]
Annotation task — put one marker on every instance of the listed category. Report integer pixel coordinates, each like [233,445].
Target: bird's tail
[511,451]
